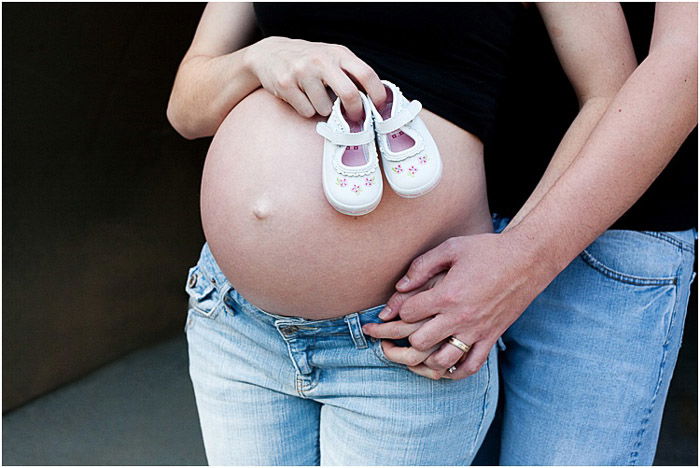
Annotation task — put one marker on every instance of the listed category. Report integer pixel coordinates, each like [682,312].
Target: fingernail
[385,313]
[403,282]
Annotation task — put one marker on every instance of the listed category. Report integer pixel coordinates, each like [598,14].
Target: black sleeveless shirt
[453,57]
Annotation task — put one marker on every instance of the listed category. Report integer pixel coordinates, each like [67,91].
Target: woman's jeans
[276,390]
[586,368]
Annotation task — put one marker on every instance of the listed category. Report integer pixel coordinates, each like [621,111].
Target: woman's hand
[489,282]
[397,329]
[298,72]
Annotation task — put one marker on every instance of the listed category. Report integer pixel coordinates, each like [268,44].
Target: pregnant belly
[286,250]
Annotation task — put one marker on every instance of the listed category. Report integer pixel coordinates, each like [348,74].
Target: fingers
[447,356]
[427,265]
[476,357]
[298,100]
[391,330]
[393,305]
[367,78]
[345,89]
[317,94]
[420,306]
[432,333]
[405,354]
[425,371]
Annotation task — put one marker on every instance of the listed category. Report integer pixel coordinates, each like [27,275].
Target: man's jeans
[587,366]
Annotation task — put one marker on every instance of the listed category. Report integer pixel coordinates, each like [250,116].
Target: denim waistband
[682,239]
[210,268]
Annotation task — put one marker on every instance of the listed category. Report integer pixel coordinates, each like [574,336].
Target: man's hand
[483,283]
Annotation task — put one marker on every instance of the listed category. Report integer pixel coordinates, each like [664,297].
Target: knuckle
[414,361]
[299,68]
[447,298]
[341,48]
[317,60]
[418,344]
[472,369]
[464,317]
[394,302]
[350,96]
[417,264]
[365,73]
[285,82]
[451,245]
[442,362]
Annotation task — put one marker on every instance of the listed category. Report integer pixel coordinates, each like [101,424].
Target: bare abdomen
[286,250]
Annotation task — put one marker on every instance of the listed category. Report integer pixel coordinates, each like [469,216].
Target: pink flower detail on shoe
[423,159]
[412,170]
[398,169]
[369,181]
[341,182]
[356,188]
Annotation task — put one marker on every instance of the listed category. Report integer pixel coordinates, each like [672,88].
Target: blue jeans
[276,390]
[587,366]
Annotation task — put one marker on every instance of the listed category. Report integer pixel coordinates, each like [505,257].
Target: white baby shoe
[410,157]
[352,181]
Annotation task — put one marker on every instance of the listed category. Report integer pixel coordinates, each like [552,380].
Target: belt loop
[229,302]
[353,321]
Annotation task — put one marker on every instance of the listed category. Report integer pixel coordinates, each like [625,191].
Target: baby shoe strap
[403,117]
[345,139]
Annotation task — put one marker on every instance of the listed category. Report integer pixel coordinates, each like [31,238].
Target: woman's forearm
[640,132]
[213,76]
[594,48]
[206,89]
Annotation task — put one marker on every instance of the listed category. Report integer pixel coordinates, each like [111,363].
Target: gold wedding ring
[459,344]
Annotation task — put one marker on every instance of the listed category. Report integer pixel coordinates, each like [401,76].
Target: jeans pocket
[634,258]
[203,294]
[376,345]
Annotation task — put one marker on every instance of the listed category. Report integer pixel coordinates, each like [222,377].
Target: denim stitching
[379,352]
[622,277]
[485,404]
[660,377]
[671,240]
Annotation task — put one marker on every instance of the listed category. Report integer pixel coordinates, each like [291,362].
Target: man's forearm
[572,143]
[640,132]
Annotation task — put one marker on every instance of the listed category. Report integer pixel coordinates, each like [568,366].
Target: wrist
[248,58]
[533,255]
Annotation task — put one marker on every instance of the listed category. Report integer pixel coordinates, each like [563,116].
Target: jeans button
[193,280]
[289,329]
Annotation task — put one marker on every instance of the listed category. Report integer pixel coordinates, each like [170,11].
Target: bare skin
[281,244]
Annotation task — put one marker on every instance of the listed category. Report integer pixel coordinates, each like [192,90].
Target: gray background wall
[100,194]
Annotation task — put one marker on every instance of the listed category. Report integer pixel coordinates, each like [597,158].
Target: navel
[261,209]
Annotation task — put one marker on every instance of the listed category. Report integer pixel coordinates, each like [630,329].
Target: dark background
[101,206]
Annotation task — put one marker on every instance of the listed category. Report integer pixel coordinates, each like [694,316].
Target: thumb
[426,266]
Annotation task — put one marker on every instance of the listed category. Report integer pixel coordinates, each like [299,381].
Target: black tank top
[453,57]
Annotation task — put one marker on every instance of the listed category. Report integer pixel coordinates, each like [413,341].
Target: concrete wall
[100,195]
